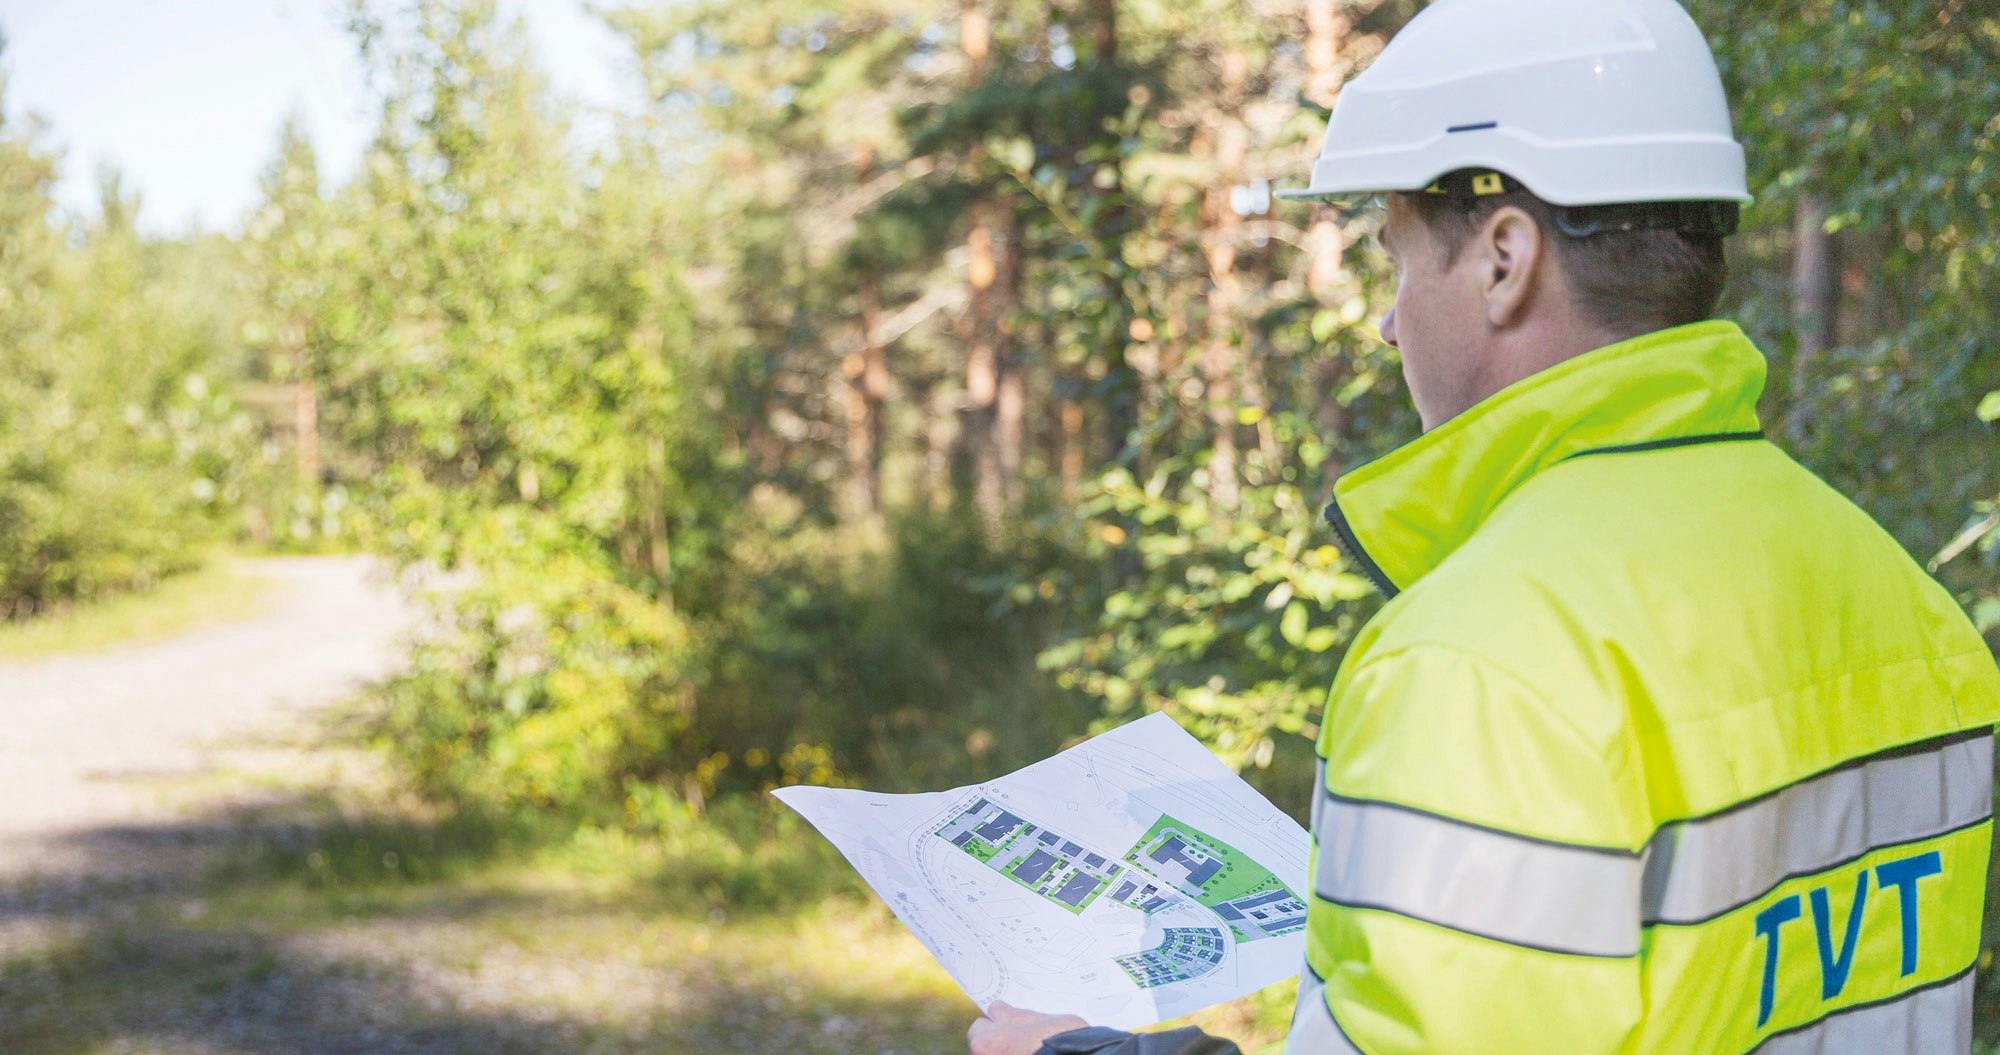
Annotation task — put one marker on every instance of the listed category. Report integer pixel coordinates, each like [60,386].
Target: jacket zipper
[1351,546]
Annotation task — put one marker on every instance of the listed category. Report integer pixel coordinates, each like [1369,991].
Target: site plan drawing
[1129,879]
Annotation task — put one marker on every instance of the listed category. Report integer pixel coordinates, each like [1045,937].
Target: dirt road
[195,861]
[115,741]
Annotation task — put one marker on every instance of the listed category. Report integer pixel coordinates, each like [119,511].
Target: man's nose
[1389,328]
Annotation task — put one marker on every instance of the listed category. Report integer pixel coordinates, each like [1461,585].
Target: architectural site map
[1129,879]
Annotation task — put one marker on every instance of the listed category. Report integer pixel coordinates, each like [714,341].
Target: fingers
[1000,1034]
[1009,1030]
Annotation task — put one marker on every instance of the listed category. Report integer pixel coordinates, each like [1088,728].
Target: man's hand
[1008,1030]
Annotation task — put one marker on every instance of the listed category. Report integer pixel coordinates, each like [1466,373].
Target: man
[1659,744]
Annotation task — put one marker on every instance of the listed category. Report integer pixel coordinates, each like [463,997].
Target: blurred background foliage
[904,389]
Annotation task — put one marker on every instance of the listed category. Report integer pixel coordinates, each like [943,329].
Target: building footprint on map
[1128,879]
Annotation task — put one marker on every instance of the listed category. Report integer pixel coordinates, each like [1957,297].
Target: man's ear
[1510,250]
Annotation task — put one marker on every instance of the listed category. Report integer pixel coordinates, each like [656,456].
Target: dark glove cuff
[1098,1040]
[1090,1040]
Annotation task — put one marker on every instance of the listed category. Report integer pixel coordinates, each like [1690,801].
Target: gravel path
[161,810]
[111,741]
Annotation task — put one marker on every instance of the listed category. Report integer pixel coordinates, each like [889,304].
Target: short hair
[1628,282]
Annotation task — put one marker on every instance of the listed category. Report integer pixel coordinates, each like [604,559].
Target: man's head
[1621,176]
[1491,288]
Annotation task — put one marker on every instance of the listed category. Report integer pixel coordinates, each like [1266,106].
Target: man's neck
[1525,351]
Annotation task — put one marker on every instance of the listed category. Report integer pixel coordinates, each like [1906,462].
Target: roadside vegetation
[214,593]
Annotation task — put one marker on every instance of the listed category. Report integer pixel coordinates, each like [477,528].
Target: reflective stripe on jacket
[1660,744]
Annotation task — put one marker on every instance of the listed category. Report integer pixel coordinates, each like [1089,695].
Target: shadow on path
[219,941]
[184,871]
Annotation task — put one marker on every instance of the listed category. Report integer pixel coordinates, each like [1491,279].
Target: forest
[904,390]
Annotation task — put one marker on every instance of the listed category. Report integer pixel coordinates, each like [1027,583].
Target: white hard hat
[1585,102]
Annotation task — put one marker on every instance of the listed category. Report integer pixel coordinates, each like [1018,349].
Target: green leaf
[1989,408]
[1279,596]
[1016,152]
[1292,625]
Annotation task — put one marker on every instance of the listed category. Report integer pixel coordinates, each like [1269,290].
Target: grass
[332,913]
[329,944]
[770,939]
[217,593]
[336,915]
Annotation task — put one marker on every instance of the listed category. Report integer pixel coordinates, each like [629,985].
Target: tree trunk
[305,420]
[1327,30]
[940,433]
[1121,381]
[975,38]
[1815,304]
[1332,48]
[977,461]
[1219,356]
[867,375]
[1073,444]
[1009,396]
[993,372]
[659,544]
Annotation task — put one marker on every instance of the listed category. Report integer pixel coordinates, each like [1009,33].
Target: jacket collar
[1407,511]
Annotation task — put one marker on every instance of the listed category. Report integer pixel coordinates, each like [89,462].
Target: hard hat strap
[1689,217]
[1465,188]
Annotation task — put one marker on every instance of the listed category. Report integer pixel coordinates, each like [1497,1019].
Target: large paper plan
[1129,879]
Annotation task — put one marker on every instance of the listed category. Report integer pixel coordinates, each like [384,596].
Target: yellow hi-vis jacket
[1660,744]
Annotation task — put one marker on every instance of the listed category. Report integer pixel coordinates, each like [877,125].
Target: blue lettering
[1903,875]
[1781,912]
[1833,969]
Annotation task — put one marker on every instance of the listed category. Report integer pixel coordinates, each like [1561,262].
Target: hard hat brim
[1339,199]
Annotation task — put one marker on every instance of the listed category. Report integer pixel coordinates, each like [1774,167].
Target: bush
[546,685]
[903,662]
[550,687]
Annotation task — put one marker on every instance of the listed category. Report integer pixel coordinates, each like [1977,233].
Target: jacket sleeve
[1097,1040]
[1471,892]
